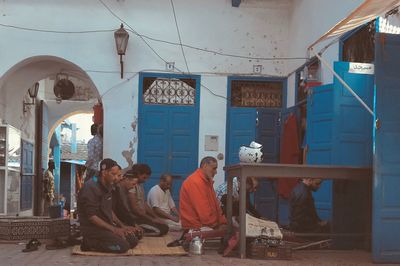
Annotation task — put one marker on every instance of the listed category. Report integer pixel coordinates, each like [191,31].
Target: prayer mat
[148,246]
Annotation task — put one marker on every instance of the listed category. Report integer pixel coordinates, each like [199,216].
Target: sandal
[175,243]
[32,245]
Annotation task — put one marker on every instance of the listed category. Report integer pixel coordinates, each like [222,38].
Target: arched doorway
[36,122]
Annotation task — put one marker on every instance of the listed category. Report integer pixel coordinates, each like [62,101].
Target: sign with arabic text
[362,68]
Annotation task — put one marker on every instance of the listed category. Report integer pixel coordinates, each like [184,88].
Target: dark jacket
[94,199]
[303,216]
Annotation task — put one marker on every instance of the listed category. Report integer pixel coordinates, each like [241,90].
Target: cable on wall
[179,36]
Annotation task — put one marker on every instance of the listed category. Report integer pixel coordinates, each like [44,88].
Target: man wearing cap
[101,230]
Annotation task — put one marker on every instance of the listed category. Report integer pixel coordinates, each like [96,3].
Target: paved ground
[10,254]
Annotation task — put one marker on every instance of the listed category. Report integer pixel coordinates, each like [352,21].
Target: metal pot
[196,246]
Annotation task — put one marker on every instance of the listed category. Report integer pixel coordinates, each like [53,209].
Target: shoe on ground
[232,243]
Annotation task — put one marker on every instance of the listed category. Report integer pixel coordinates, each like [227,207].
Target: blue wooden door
[26,176]
[168,126]
[386,179]
[319,142]
[268,134]
[352,146]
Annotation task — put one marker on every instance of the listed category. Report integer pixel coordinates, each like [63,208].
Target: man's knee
[120,246]
[163,229]
[132,240]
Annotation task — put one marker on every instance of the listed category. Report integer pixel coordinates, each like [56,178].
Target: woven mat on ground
[147,246]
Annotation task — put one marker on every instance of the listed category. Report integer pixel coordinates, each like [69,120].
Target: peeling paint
[128,153]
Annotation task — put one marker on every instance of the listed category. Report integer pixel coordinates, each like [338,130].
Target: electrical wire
[179,36]
[118,84]
[55,31]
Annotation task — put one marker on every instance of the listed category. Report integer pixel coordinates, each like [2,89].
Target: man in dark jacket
[101,229]
[303,216]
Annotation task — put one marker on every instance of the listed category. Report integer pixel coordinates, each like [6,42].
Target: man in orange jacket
[199,207]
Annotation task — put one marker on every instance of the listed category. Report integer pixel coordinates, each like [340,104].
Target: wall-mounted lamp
[33,91]
[121,41]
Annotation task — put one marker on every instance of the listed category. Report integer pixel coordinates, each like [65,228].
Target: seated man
[120,201]
[160,199]
[101,229]
[303,216]
[146,218]
[222,191]
[199,207]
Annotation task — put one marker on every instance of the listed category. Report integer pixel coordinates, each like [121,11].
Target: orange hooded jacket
[198,204]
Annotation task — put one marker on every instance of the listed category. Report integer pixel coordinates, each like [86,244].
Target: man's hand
[119,231]
[175,218]
[138,229]
[322,223]
[158,220]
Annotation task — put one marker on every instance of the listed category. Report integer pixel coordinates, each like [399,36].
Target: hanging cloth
[290,154]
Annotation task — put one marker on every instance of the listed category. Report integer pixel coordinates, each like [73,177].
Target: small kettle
[196,246]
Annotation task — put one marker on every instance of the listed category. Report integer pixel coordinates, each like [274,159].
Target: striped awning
[367,11]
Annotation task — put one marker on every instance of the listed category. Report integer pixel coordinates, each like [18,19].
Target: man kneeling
[160,199]
[101,229]
[303,216]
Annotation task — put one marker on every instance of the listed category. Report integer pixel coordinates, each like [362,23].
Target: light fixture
[121,37]
[33,91]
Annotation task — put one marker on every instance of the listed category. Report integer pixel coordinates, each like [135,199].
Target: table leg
[242,215]
[229,203]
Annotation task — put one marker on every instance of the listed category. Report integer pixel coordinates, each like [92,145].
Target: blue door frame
[168,136]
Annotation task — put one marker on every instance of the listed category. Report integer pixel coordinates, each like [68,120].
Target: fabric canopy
[366,12]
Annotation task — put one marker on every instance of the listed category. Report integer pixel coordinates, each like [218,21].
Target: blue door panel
[319,140]
[241,130]
[268,134]
[153,126]
[386,179]
[182,162]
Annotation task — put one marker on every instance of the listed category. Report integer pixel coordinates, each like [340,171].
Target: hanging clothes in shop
[290,153]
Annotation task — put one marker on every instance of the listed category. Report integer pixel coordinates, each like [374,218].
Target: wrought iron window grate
[247,93]
[169,91]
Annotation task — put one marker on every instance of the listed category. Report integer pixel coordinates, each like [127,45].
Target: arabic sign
[361,68]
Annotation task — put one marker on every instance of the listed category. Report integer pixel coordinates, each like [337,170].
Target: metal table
[266,170]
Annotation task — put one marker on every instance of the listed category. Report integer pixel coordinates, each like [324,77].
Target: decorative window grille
[246,93]
[169,91]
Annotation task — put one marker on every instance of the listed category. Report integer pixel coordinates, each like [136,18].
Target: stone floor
[10,254]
